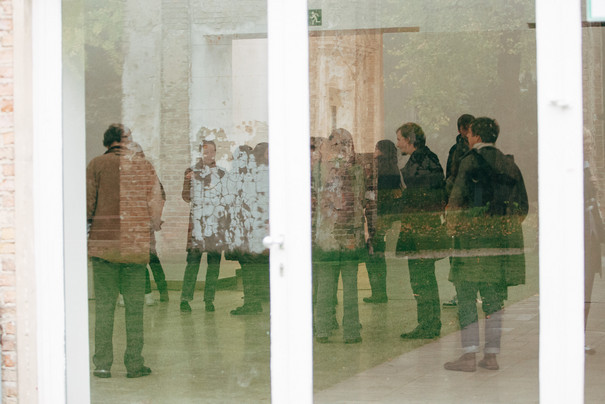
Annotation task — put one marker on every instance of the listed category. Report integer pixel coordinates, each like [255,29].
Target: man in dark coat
[457,151]
[454,158]
[422,206]
[486,208]
[124,204]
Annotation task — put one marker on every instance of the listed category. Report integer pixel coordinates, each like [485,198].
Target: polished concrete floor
[218,358]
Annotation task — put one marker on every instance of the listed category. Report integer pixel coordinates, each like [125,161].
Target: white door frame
[561,206]
[41,145]
[290,203]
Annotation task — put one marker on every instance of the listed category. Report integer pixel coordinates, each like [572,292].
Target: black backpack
[495,190]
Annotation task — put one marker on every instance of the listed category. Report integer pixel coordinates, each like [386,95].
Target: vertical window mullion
[290,206]
[559,70]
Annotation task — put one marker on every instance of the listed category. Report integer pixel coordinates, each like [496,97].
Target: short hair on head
[316,142]
[113,134]
[486,128]
[260,152]
[413,133]
[207,142]
[465,120]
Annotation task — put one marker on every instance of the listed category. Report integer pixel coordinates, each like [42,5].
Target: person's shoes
[376,299]
[489,362]
[185,308]
[355,340]
[247,309]
[209,306]
[121,300]
[451,303]
[143,371]
[589,350]
[164,296]
[102,373]
[321,340]
[149,300]
[420,333]
[465,363]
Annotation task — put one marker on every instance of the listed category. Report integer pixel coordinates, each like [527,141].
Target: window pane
[177,198]
[414,236]
[594,187]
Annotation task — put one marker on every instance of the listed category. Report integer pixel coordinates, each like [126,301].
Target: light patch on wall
[249,89]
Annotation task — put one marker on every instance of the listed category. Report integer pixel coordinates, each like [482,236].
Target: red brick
[6,105]
[7,40]
[8,263]
[8,343]
[8,201]
[9,389]
[8,297]
[9,328]
[9,375]
[6,88]
[7,279]
[8,359]
[8,170]
[6,72]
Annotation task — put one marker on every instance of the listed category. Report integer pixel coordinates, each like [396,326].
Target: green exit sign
[315,18]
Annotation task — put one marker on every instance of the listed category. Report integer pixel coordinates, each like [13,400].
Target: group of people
[125,199]
[229,214]
[471,213]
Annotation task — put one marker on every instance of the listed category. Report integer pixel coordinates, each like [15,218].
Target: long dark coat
[422,203]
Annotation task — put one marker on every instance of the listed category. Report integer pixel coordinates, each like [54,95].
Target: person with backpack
[484,214]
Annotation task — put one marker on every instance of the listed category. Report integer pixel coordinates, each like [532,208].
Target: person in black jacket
[454,158]
[457,151]
[379,216]
[421,205]
[484,214]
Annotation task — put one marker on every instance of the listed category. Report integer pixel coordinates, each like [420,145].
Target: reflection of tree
[104,22]
[445,74]
[439,75]
[95,24]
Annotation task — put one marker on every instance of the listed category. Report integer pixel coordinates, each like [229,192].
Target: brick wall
[7,207]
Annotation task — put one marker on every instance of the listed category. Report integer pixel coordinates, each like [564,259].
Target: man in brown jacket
[124,202]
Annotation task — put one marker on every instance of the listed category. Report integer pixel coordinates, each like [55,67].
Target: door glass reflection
[594,177]
[424,200]
[177,195]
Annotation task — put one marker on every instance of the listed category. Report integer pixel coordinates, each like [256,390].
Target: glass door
[422,291]
[177,193]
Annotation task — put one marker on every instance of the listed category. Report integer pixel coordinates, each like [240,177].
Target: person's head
[386,149]
[339,146]
[208,150]
[135,148]
[386,157]
[116,133]
[261,153]
[464,123]
[410,137]
[483,130]
[315,148]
